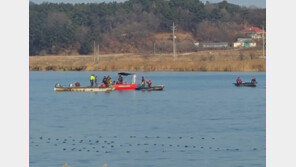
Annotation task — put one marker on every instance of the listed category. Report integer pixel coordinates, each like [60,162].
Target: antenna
[174,40]
[154,48]
[94,57]
[263,42]
[98,53]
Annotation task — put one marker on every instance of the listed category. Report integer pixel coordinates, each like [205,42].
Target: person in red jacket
[253,80]
[239,80]
[77,84]
[149,84]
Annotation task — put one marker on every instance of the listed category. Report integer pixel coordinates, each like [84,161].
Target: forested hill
[134,25]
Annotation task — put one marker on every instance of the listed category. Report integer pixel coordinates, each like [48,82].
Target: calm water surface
[200,119]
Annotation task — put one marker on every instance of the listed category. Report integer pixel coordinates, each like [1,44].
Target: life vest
[92,78]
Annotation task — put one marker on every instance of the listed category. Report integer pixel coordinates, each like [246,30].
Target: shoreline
[244,60]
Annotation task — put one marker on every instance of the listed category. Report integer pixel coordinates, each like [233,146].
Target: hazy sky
[258,3]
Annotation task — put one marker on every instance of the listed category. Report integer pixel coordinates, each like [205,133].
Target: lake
[200,119]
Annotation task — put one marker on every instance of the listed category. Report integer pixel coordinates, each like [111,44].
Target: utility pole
[263,41]
[94,58]
[98,54]
[154,48]
[174,41]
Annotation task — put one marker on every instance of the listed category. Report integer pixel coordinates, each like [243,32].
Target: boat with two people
[149,86]
[240,83]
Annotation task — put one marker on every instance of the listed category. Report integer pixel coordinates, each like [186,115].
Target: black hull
[153,88]
[246,84]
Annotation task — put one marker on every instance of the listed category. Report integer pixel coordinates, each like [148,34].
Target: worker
[143,82]
[104,80]
[77,84]
[92,79]
[253,80]
[96,81]
[239,80]
[120,80]
[109,81]
[149,84]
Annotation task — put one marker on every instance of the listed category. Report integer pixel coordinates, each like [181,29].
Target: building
[254,32]
[237,44]
[255,36]
[196,44]
[215,45]
[249,44]
[253,44]
[244,39]
[244,42]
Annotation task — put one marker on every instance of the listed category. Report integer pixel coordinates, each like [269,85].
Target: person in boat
[104,81]
[149,83]
[253,80]
[57,85]
[96,81]
[143,82]
[77,84]
[92,79]
[120,80]
[109,81]
[239,80]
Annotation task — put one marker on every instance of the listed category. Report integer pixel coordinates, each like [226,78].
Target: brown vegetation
[210,60]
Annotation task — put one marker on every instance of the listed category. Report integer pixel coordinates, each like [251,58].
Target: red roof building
[253,30]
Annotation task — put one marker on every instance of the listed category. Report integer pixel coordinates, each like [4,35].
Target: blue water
[200,119]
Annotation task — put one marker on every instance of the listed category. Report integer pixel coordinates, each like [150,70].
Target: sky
[258,3]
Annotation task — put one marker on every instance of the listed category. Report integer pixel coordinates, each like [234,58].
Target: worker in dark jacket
[104,80]
[120,80]
[96,81]
[143,82]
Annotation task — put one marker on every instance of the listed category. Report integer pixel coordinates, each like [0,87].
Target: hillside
[135,26]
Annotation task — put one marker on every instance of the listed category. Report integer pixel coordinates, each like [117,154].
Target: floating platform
[83,89]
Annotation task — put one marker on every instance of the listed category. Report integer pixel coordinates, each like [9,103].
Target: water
[200,119]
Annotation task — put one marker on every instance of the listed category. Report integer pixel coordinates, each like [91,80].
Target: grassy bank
[213,60]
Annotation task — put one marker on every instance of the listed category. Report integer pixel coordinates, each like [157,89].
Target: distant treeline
[130,26]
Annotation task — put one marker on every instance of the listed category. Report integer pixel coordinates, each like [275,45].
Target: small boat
[246,84]
[60,88]
[153,88]
[126,86]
